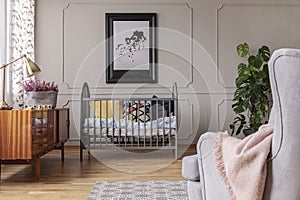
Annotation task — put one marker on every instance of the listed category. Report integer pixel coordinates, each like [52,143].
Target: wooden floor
[73,179]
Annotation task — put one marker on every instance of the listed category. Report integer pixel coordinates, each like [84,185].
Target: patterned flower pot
[41,98]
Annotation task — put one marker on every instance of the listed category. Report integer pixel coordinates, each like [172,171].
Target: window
[3,36]
[16,38]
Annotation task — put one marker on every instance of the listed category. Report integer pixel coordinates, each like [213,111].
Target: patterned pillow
[139,111]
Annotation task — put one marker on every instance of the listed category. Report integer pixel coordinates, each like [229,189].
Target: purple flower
[37,85]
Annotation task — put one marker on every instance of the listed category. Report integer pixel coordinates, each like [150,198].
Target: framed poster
[130,48]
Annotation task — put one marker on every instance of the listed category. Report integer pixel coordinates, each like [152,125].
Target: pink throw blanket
[242,163]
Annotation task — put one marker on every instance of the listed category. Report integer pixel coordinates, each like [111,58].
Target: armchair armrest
[211,185]
[190,168]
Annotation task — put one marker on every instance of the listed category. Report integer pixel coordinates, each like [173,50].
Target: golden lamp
[30,69]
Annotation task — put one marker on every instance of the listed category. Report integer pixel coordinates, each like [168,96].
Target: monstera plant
[251,101]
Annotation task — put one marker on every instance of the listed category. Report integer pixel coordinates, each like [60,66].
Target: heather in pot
[34,85]
[40,92]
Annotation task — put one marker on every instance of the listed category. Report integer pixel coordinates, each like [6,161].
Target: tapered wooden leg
[0,169]
[38,168]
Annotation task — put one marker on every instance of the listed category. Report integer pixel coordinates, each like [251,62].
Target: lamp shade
[31,68]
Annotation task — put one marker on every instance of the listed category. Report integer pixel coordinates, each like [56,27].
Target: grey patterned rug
[135,190]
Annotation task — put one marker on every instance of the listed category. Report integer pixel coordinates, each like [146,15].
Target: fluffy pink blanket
[242,163]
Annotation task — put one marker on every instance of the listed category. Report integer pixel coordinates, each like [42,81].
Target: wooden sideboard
[27,135]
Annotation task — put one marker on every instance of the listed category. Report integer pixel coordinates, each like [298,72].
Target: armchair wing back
[283,175]
[283,179]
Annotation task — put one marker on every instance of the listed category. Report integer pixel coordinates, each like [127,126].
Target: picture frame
[130,47]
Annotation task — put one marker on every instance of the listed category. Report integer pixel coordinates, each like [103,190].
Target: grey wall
[196,41]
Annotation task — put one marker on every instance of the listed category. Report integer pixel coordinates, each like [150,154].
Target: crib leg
[81,147]
[174,151]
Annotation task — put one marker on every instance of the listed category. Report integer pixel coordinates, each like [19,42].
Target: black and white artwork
[131,45]
[131,53]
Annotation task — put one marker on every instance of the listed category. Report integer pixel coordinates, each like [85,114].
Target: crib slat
[138,120]
[100,119]
[157,130]
[126,121]
[170,128]
[120,132]
[145,103]
[88,133]
[163,124]
[176,127]
[132,129]
[106,117]
[150,113]
[113,120]
[94,124]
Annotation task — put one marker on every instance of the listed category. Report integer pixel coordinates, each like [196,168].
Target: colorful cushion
[138,111]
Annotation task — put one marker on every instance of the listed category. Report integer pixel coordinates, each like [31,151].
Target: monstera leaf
[264,51]
[243,50]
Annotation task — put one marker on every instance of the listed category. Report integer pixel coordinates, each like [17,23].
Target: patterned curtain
[21,41]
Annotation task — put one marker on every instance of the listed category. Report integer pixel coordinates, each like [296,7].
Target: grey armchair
[283,175]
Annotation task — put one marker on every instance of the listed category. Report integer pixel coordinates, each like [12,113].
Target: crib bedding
[138,133]
[161,123]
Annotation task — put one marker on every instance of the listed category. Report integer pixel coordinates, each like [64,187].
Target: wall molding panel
[72,9]
[247,16]
[187,122]
[223,113]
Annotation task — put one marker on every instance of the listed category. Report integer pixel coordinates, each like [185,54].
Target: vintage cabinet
[27,135]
